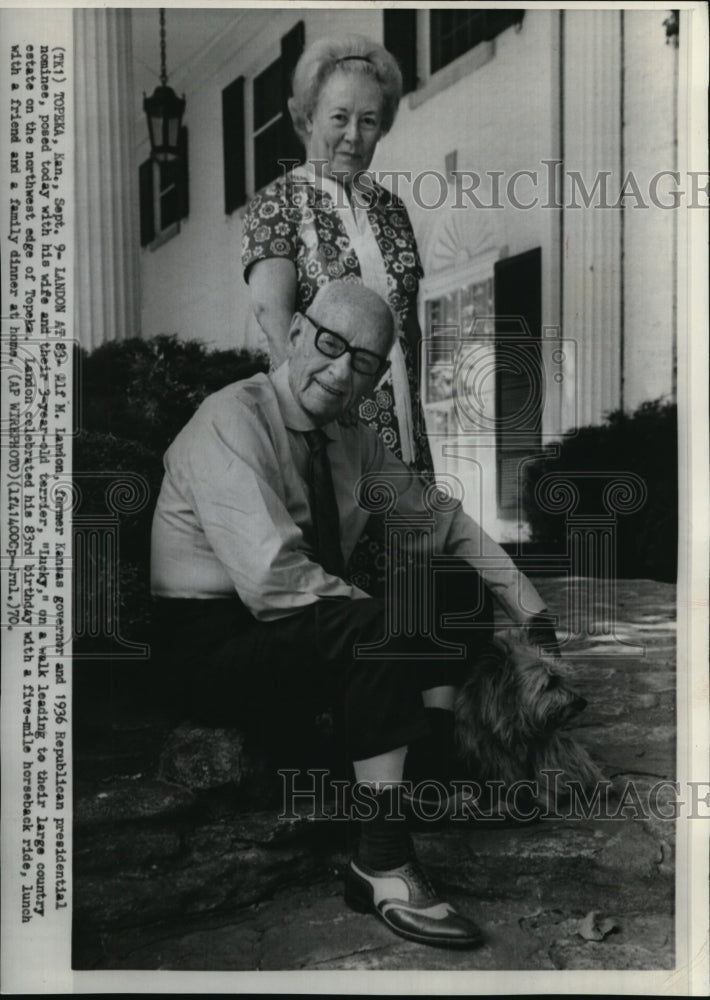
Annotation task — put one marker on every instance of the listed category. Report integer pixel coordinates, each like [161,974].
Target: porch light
[164,110]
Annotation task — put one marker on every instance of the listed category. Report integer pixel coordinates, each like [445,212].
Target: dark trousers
[235,668]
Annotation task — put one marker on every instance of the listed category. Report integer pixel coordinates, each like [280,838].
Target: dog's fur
[508,716]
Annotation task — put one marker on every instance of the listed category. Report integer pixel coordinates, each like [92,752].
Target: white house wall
[192,285]
[501,117]
[649,232]
[592,276]
[486,117]
[558,88]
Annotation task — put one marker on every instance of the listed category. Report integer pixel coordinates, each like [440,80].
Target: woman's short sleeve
[270,227]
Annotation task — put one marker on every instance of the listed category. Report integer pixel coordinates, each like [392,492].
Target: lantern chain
[163,72]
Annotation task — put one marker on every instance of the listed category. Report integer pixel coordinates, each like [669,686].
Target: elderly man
[255,522]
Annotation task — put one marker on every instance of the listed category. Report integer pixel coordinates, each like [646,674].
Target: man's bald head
[360,303]
[343,317]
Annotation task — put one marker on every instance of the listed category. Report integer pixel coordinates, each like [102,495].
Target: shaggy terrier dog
[508,719]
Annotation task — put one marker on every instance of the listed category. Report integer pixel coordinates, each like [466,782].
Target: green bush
[147,390]
[643,442]
[134,396]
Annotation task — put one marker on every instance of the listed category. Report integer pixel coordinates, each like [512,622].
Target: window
[453,32]
[464,316]
[459,332]
[423,42]
[483,382]
[164,194]
[272,137]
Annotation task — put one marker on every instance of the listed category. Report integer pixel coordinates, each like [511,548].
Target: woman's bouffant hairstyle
[350,54]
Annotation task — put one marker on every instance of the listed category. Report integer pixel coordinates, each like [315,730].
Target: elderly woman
[322,221]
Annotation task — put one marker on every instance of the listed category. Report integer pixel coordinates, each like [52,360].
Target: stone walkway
[171,875]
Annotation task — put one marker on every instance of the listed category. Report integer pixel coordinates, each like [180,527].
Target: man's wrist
[540,631]
[540,619]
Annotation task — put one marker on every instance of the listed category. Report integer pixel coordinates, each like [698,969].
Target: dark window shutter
[453,32]
[268,94]
[145,189]
[235,184]
[292,45]
[518,371]
[183,176]
[400,37]
[496,21]
[174,186]
[268,150]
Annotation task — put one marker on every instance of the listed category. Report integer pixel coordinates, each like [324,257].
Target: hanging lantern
[164,110]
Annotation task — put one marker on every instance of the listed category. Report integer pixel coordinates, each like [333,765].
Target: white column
[650,233]
[592,237]
[107,291]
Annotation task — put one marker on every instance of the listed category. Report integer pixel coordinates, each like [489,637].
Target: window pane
[267,94]
[468,310]
[437,422]
[442,328]
[450,309]
[442,323]
[477,310]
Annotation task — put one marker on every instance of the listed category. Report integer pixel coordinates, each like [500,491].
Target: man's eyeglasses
[334,346]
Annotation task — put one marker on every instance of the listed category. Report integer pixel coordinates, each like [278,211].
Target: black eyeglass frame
[354,352]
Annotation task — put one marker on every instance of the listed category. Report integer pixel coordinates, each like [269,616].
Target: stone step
[222,880]
[129,800]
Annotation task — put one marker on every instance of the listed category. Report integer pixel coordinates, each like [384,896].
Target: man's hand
[539,631]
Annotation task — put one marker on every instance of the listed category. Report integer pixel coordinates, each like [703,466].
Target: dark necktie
[324,509]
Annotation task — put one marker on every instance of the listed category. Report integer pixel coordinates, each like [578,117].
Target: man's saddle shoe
[406,901]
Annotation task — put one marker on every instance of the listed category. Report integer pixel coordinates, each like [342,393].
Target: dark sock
[384,840]
[441,726]
[433,757]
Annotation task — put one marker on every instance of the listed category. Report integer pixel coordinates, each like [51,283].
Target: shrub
[147,390]
[643,442]
[134,397]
